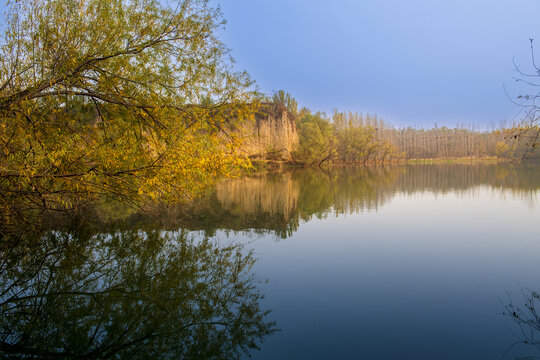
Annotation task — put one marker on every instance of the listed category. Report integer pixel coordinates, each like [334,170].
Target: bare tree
[528,130]
[527,319]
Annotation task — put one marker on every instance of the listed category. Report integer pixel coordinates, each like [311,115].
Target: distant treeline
[443,142]
[348,137]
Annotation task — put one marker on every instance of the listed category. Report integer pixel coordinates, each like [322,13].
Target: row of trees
[349,137]
[322,140]
[459,142]
[339,139]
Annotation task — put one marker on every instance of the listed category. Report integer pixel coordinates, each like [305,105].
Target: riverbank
[462,160]
[261,165]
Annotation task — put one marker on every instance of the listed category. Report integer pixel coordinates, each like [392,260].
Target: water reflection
[419,271]
[279,202]
[129,294]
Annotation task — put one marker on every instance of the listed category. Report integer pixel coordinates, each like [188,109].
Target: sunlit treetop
[122,99]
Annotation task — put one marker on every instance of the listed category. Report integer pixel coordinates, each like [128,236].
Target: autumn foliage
[115,99]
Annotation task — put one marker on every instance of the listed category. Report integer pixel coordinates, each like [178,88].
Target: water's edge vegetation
[353,138]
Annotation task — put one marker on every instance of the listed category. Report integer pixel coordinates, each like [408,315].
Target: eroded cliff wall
[272,135]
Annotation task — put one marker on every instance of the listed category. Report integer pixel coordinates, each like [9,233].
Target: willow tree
[98,99]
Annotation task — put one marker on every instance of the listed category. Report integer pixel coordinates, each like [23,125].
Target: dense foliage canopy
[125,99]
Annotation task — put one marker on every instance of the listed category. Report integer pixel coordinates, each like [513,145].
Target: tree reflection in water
[128,294]
[161,294]
[277,203]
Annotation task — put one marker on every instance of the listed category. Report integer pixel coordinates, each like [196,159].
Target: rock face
[271,136]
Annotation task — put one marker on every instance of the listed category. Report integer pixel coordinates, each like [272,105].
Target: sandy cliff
[271,136]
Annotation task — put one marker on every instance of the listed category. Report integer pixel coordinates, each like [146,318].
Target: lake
[408,262]
[396,263]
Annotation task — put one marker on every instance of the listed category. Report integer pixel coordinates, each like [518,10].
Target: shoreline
[259,165]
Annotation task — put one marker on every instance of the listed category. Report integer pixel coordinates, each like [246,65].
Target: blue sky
[415,62]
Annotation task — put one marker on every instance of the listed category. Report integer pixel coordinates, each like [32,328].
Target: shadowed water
[363,263]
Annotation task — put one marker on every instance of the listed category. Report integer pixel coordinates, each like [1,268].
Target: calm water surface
[415,262]
[402,263]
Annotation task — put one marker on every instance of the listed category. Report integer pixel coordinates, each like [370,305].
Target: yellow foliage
[101,103]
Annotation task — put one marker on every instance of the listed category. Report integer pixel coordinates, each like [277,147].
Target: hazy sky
[413,62]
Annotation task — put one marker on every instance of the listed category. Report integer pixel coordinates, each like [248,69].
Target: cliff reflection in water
[279,202]
[129,294]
